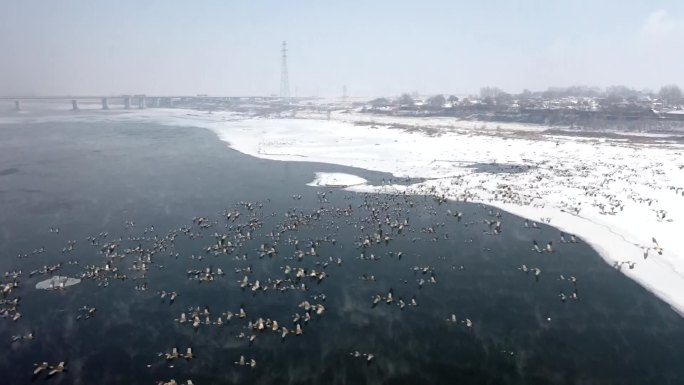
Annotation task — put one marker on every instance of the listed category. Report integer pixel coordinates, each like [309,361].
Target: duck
[59,368]
[40,367]
[189,355]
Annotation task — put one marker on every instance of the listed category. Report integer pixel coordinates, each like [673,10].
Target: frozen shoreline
[610,182]
[614,194]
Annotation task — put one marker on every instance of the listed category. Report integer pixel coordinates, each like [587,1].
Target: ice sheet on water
[336,179]
[57,282]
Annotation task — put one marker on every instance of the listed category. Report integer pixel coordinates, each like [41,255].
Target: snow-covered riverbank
[617,195]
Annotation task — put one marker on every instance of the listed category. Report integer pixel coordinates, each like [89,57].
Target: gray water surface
[88,179]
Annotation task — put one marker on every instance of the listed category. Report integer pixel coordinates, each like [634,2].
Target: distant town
[580,106]
[616,107]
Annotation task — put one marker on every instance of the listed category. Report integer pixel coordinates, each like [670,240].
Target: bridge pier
[127,103]
[17,105]
[105,104]
[74,105]
[141,102]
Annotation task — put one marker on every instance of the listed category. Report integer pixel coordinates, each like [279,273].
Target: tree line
[669,95]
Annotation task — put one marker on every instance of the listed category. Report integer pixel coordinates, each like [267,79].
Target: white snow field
[619,195]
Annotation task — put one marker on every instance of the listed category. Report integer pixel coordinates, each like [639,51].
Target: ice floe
[57,282]
[336,179]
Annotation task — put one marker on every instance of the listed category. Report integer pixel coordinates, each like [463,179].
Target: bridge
[136,101]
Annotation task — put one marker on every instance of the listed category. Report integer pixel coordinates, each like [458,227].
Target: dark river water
[122,178]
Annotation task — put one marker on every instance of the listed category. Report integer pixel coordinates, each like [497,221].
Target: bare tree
[623,92]
[671,94]
[436,102]
[491,92]
[379,102]
[405,100]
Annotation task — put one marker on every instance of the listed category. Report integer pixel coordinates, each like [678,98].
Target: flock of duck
[304,265]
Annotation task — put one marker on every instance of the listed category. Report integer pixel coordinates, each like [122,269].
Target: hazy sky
[373,47]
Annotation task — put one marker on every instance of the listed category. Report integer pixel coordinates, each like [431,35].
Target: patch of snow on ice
[336,179]
[57,282]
